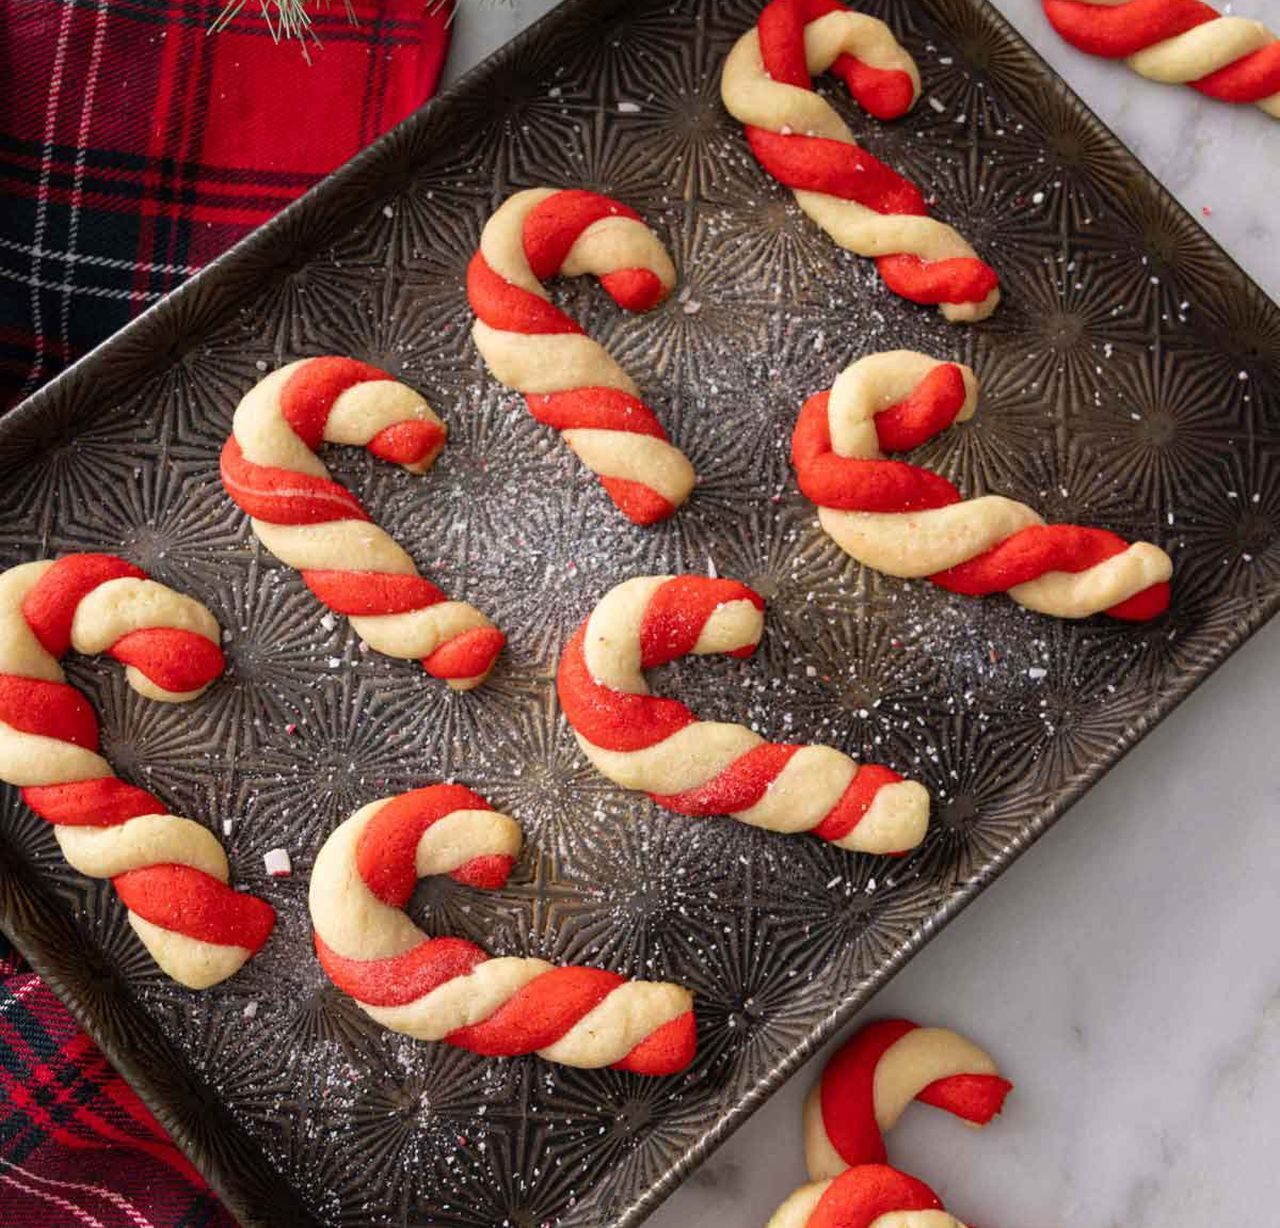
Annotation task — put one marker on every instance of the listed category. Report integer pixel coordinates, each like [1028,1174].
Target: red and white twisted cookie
[869,1196]
[642,741]
[1178,42]
[880,1070]
[906,521]
[170,872]
[271,471]
[569,381]
[798,137]
[447,988]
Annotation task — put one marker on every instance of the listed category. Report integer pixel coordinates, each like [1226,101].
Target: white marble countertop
[1126,972]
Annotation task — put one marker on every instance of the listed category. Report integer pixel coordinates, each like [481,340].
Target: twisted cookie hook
[642,741]
[798,137]
[570,382]
[906,521]
[865,1088]
[271,471]
[448,989]
[170,872]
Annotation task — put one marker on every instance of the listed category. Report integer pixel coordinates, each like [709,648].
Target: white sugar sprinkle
[278,863]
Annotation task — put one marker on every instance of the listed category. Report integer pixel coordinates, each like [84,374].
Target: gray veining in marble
[1126,971]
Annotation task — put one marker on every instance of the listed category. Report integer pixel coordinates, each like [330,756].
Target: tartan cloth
[135,147]
[77,1146]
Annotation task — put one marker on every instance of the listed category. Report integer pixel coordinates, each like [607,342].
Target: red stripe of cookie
[1127,28]
[858,485]
[1029,554]
[284,496]
[856,800]
[664,1051]
[173,659]
[679,609]
[977,1098]
[860,1196]
[371,592]
[885,93]
[486,873]
[400,979]
[836,168]
[552,226]
[309,393]
[931,406]
[50,607]
[1251,78]
[612,719]
[511,308]
[48,709]
[189,901]
[412,442]
[963,279]
[1151,602]
[102,802]
[740,786]
[387,847]
[634,289]
[847,1092]
[781,29]
[639,503]
[598,409]
[466,655]
[538,1014]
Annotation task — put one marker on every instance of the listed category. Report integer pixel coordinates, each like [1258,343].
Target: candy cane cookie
[569,381]
[169,871]
[309,522]
[868,1196]
[642,741]
[880,1070]
[908,522]
[1179,42]
[448,989]
[798,137]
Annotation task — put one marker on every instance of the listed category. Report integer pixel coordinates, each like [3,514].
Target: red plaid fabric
[76,1145]
[135,146]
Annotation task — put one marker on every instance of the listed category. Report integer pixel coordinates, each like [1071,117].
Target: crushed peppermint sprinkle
[629,108]
[278,863]
[251,1009]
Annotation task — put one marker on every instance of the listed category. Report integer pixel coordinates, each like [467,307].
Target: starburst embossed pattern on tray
[1132,379]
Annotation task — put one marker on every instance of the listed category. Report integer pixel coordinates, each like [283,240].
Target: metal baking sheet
[1132,380]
